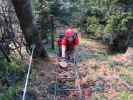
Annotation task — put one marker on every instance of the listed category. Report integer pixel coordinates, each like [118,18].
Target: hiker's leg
[70,51]
[72,54]
[59,53]
[67,53]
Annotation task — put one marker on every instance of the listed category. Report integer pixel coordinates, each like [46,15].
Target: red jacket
[59,42]
[65,42]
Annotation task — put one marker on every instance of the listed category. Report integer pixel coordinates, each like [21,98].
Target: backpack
[72,38]
[61,35]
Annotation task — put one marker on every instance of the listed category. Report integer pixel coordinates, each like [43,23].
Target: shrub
[92,25]
[100,31]
[118,28]
[116,24]
[9,95]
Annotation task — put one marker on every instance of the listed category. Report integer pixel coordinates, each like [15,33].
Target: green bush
[116,24]
[92,24]
[124,95]
[12,67]
[94,27]
[10,94]
[11,74]
[100,31]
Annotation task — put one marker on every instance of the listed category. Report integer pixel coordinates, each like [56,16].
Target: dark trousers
[69,53]
[60,51]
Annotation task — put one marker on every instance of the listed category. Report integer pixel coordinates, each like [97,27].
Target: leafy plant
[9,94]
[92,24]
[125,96]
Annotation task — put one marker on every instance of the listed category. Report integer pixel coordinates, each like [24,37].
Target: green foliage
[7,68]
[92,20]
[10,76]
[94,27]
[10,94]
[92,24]
[130,21]
[100,31]
[55,8]
[116,24]
[127,2]
[108,28]
[123,95]
[127,78]
[41,11]
[113,15]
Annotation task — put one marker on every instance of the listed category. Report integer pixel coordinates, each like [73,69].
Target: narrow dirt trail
[100,72]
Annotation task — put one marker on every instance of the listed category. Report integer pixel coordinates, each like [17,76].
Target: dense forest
[108,20]
[103,60]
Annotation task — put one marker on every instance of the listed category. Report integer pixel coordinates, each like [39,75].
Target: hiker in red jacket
[68,43]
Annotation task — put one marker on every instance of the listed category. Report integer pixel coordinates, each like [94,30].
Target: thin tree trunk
[52,32]
[24,13]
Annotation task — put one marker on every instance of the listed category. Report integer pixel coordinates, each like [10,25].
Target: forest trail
[108,76]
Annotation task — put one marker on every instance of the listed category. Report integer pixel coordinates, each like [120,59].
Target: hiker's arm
[63,47]
[63,51]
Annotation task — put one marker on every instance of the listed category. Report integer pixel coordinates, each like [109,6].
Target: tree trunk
[52,32]
[120,43]
[24,13]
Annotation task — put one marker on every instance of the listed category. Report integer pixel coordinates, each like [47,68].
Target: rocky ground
[102,76]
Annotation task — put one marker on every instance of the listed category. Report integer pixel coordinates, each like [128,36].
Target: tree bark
[120,43]
[23,11]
